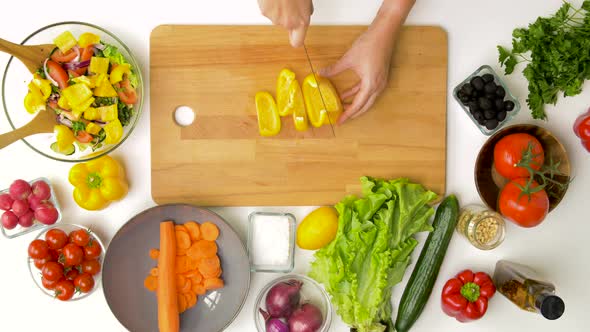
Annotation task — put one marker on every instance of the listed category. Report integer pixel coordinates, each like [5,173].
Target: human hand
[293,15]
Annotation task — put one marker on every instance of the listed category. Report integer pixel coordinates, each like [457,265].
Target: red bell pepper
[582,129]
[466,296]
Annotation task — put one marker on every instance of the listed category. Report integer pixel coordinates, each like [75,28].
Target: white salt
[270,240]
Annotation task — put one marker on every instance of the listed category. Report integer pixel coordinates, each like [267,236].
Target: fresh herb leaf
[125,113]
[55,89]
[41,73]
[104,101]
[78,126]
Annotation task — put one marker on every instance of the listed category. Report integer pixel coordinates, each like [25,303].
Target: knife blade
[319,90]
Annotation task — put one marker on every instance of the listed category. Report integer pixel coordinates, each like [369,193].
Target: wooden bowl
[489,182]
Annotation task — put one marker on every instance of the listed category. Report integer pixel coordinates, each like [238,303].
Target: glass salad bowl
[17,77]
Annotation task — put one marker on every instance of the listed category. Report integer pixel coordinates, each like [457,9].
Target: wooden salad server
[32,56]
[43,122]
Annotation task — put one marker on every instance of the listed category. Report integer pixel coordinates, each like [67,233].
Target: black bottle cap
[552,307]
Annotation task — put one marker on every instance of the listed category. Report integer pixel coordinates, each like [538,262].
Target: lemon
[269,122]
[318,228]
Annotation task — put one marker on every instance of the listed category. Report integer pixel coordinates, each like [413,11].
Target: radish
[46,213]
[27,219]
[19,189]
[20,207]
[9,220]
[41,189]
[6,202]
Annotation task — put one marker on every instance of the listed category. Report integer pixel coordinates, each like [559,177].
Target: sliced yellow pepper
[97,183]
[96,80]
[119,71]
[317,113]
[99,65]
[63,102]
[105,89]
[113,131]
[93,128]
[65,41]
[77,94]
[108,113]
[269,121]
[88,38]
[34,102]
[79,109]
[92,114]
[64,136]
[289,96]
[84,80]
[42,85]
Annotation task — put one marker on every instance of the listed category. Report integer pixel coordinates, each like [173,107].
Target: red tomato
[126,92]
[80,237]
[85,55]
[84,283]
[58,56]
[92,250]
[48,284]
[41,261]
[522,209]
[58,74]
[54,255]
[56,238]
[38,249]
[52,271]
[64,290]
[73,254]
[509,150]
[91,267]
[71,273]
[586,144]
[84,137]
[582,126]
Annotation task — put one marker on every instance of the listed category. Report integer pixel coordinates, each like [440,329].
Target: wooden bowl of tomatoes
[522,172]
[65,261]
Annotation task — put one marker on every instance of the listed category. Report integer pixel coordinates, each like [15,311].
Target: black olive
[487,78]
[508,105]
[501,116]
[478,115]
[491,124]
[464,99]
[490,88]
[482,122]
[477,83]
[500,92]
[485,103]
[473,106]
[489,114]
[475,94]
[499,103]
[467,89]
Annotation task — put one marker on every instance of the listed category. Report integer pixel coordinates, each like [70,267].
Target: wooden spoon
[32,56]
[43,122]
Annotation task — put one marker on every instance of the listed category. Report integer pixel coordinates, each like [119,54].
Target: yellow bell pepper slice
[93,128]
[92,114]
[97,183]
[99,65]
[63,102]
[317,113]
[118,72]
[64,136]
[108,113]
[65,41]
[88,38]
[41,85]
[105,89]
[34,102]
[289,96]
[83,80]
[269,121]
[77,94]
[113,131]
[78,110]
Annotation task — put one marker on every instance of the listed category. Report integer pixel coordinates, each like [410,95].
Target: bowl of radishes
[293,303]
[27,206]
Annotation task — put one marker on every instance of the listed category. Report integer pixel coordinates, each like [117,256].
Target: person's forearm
[392,14]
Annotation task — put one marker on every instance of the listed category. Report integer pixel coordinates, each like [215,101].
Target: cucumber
[424,275]
[67,151]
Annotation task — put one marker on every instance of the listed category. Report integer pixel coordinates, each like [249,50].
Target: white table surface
[557,248]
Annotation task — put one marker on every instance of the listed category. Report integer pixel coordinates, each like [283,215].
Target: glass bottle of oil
[523,287]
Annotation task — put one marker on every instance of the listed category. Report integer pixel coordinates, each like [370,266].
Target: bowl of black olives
[486,100]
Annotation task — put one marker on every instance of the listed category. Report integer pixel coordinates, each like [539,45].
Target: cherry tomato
[582,126]
[84,137]
[56,238]
[38,249]
[64,290]
[522,209]
[54,255]
[58,74]
[509,150]
[58,56]
[126,92]
[73,254]
[41,261]
[91,267]
[84,283]
[52,271]
[92,250]
[85,55]
[80,237]
[586,144]
[71,273]
[48,284]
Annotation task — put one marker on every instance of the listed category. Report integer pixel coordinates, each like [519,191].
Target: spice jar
[483,228]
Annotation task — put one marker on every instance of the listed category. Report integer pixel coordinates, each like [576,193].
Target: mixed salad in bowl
[91,88]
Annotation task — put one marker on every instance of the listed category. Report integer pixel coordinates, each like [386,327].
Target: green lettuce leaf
[115,56]
[372,249]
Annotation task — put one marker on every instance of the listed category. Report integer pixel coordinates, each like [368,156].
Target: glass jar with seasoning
[483,228]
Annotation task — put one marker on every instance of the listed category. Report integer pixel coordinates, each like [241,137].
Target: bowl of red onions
[293,303]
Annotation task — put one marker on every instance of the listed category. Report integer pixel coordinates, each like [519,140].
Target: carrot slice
[154,272]
[168,320]
[150,283]
[180,228]
[181,303]
[210,267]
[202,249]
[199,289]
[186,287]
[213,283]
[154,253]
[181,266]
[192,299]
[194,230]
[183,240]
[209,231]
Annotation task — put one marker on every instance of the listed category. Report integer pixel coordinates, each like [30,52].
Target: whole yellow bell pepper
[98,182]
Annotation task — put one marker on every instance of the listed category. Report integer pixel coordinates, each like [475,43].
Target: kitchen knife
[319,90]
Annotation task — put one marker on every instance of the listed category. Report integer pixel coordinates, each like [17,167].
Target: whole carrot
[168,317]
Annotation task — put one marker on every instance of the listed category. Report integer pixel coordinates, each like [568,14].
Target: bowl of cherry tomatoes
[522,172]
[65,261]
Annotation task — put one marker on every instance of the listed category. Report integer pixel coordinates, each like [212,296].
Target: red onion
[76,65]
[308,318]
[274,324]
[283,298]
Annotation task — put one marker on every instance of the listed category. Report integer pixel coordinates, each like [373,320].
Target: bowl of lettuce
[372,250]
[84,129]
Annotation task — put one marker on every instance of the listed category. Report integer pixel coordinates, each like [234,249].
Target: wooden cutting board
[220,160]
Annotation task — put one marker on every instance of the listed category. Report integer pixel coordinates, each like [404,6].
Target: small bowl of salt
[271,242]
